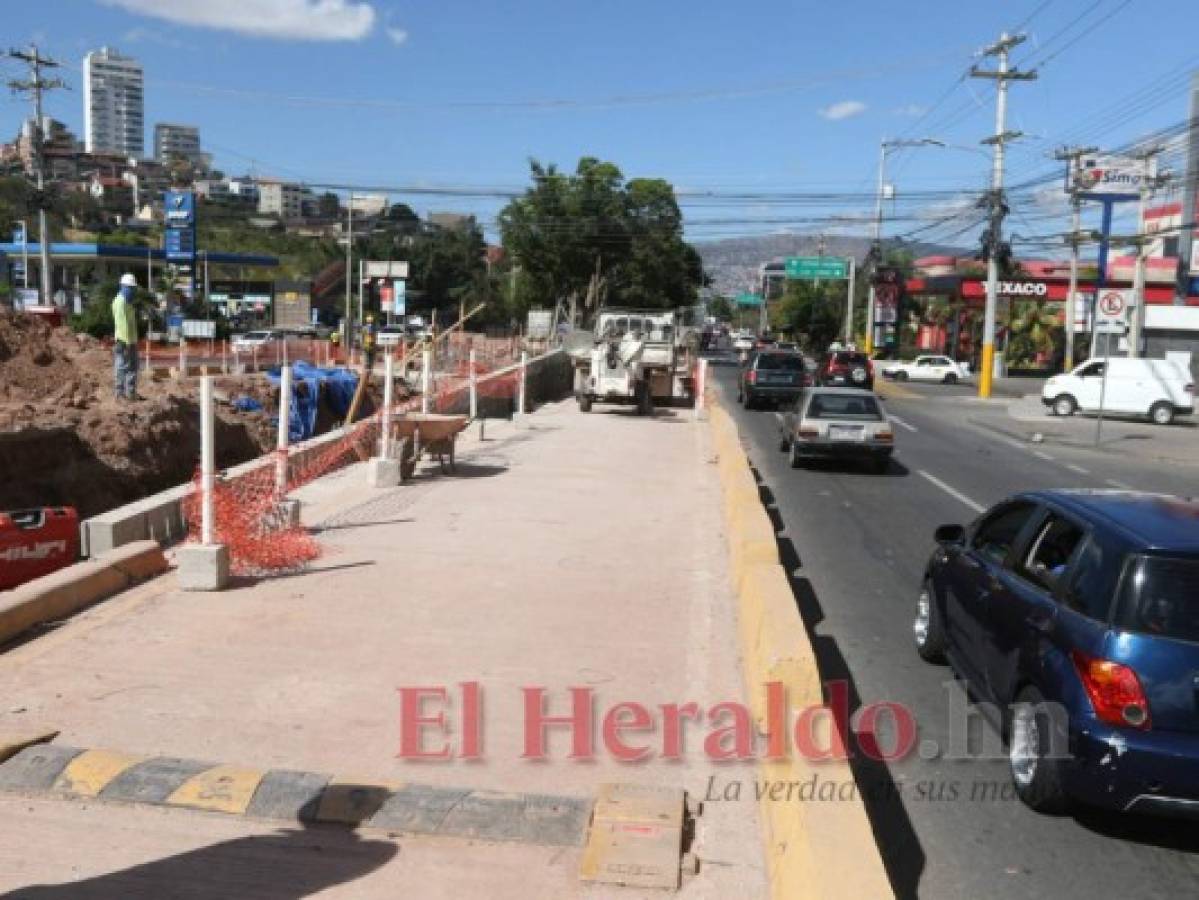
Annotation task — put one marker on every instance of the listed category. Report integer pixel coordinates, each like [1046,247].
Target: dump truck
[637,357]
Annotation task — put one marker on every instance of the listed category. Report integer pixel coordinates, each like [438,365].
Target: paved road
[858,543]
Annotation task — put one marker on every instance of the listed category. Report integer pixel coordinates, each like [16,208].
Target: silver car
[839,423]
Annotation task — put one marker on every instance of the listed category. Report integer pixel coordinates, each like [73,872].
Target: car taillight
[885,436]
[808,432]
[1115,691]
[753,377]
[806,381]
[1190,389]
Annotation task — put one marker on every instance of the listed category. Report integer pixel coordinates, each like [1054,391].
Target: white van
[1158,388]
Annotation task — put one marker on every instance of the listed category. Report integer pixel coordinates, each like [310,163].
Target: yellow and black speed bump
[54,770]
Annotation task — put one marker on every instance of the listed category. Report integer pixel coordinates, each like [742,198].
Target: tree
[328,206]
[720,308]
[595,239]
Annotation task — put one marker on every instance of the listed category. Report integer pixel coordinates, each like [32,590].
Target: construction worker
[124,353]
[368,342]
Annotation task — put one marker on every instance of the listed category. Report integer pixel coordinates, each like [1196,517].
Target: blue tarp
[340,385]
[247,404]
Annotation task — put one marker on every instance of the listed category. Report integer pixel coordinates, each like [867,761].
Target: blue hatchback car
[1077,613]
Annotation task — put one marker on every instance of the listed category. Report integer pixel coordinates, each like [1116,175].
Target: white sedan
[927,368]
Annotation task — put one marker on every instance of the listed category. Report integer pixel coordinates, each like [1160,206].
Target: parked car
[926,368]
[773,377]
[743,341]
[1076,614]
[789,346]
[1158,388]
[846,368]
[391,335]
[250,340]
[844,423]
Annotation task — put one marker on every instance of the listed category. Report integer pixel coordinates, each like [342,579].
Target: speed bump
[226,789]
[91,771]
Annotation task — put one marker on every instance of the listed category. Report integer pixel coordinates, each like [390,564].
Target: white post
[524,373]
[284,343]
[284,432]
[388,369]
[224,357]
[853,271]
[701,385]
[426,379]
[207,462]
[182,357]
[474,386]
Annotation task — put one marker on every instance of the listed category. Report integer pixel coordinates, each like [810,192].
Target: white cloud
[398,36]
[300,20]
[846,109]
[912,110]
[142,35]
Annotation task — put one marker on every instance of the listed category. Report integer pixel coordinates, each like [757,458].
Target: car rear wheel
[901,375]
[796,459]
[1162,413]
[1036,770]
[1064,405]
[927,628]
[584,403]
[950,379]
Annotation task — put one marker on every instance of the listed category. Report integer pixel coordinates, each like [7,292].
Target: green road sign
[749,299]
[812,267]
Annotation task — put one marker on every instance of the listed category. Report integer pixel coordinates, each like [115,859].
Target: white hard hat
[128,280]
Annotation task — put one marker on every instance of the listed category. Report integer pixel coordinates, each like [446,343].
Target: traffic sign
[1111,310]
[811,268]
[749,299]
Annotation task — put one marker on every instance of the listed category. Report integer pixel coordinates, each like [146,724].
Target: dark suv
[1074,617]
[772,376]
[846,368]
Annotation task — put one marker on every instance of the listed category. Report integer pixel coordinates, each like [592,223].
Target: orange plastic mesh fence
[248,516]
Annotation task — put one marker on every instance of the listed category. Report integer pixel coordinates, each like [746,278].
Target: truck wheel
[1064,405]
[1162,413]
[584,403]
[645,402]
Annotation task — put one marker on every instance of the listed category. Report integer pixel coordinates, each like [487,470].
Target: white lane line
[1040,454]
[952,492]
[1079,469]
[902,424]
[1119,484]
[1017,444]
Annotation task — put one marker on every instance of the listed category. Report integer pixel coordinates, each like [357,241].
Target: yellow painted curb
[226,789]
[889,390]
[91,771]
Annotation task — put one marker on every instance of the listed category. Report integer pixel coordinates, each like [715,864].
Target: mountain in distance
[733,263]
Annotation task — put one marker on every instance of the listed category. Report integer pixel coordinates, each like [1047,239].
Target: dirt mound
[41,363]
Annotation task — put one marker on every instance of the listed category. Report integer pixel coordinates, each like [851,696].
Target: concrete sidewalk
[570,551]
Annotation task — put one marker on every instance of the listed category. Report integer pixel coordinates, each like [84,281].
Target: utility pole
[1190,187]
[1071,156]
[348,319]
[1149,184]
[1002,75]
[34,87]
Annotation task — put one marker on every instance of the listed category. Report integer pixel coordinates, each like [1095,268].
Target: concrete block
[203,567]
[114,529]
[382,473]
[288,512]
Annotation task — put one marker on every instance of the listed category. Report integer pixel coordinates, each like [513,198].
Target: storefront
[947,301]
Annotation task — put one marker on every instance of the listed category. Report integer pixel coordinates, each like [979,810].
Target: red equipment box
[35,542]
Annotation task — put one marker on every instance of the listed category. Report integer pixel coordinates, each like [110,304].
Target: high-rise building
[113,104]
[176,142]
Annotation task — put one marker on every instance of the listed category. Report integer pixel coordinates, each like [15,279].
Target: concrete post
[474,386]
[426,379]
[383,471]
[701,385]
[524,378]
[207,461]
[182,357]
[205,566]
[388,375]
[284,432]
[224,357]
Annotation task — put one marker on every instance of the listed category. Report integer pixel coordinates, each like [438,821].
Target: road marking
[952,492]
[1016,444]
[1040,454]
[1119,484]
[1079,469]
[902,424]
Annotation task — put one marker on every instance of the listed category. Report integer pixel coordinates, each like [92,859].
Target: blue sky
[753,97]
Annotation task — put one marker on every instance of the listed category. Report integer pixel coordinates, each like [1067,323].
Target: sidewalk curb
[822,850]
[65,592]
[72,773]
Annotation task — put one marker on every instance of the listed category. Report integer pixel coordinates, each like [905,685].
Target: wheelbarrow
[430,434]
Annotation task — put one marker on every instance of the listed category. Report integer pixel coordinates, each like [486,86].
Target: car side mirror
[950,534]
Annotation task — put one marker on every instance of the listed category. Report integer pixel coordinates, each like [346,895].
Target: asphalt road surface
[857,544]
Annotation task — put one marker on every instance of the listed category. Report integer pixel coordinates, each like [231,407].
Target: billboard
[1109,176]
[180,209]
[540,323]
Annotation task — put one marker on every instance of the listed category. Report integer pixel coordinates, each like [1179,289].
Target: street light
[885,147]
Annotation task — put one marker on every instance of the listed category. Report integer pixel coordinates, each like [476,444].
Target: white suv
[1157,388]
